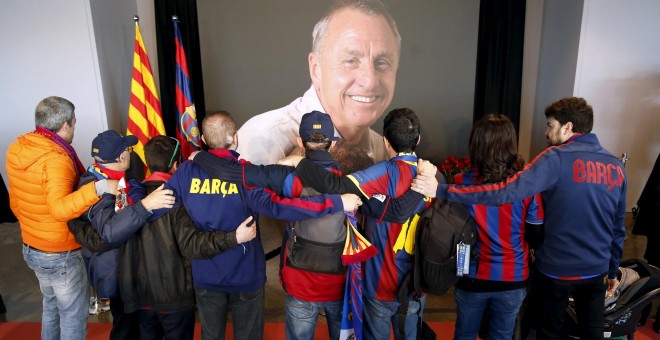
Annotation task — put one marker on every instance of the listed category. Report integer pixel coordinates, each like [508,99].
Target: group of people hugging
[187,237]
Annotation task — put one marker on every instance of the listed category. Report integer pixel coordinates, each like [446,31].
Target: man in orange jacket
[43,171]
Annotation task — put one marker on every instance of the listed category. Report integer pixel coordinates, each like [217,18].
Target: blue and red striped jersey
[384,273]
[584,196]
[502,253]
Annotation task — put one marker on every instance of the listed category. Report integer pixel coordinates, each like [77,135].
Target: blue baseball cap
[316,127]
[108,145]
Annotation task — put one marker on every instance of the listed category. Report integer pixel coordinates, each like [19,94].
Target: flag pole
[136,19]
[175,18]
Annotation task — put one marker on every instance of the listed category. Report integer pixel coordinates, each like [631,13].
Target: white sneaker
[93,306]
[104,305]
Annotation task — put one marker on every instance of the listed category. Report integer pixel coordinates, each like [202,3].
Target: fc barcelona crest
[188,125]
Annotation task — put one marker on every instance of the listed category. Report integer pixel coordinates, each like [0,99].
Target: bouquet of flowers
[451,166]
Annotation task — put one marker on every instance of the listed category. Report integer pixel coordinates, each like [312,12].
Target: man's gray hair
[51,112]
[369,7]
[218,129]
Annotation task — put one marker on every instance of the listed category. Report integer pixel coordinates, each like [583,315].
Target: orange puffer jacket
[42,180]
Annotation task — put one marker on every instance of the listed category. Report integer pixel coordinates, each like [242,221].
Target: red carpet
[273,331]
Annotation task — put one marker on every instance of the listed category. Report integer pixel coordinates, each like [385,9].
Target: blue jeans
[247,310]
[503,307]
[301,318]
[63,283]
[380,318]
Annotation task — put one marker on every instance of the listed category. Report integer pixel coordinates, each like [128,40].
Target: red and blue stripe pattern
[187,131]
[385,272]
[502,253]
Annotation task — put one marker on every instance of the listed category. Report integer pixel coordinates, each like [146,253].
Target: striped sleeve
[539,175]
[266,202]
[371,181]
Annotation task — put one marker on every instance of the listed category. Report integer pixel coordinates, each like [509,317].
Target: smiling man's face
[354,71]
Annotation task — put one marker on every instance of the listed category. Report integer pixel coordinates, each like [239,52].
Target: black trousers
[589,297]
[124,325]
[168,326]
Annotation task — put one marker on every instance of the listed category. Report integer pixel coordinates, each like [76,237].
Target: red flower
[451,166]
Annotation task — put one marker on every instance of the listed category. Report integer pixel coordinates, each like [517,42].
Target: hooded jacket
[42,180]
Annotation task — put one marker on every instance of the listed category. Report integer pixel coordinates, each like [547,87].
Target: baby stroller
[633,306]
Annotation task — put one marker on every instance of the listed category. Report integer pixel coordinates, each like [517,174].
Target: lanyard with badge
[462,260]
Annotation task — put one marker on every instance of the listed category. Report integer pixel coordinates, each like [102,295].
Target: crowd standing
[188,236]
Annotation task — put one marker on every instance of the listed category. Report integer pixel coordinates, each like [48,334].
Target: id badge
[466,262]
[460,259]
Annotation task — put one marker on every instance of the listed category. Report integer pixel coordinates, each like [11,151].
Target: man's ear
[332,144]
[300,142]
[235,140]
[203,140]
[63,127]
[569,128]
[175,166]
[314,69]
[419,138]
[387,143]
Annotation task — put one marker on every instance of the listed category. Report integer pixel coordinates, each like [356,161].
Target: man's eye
[382,64]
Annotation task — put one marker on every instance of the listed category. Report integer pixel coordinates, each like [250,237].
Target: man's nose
[367,76]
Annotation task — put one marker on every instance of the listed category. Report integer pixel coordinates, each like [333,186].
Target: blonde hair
[218,129]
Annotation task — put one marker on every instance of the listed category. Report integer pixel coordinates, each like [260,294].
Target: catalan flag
[145,119]
[187,131]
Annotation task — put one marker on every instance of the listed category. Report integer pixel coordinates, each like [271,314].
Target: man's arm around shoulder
[198,244]
[63,202]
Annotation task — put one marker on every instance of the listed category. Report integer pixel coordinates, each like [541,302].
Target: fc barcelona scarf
[357,249]
[122,199]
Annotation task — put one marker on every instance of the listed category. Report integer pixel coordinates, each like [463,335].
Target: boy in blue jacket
[112,221]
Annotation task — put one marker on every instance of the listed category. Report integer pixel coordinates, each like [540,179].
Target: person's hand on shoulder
[159,198]
[426,168]
[425,184]
[351,202]
[246,231]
